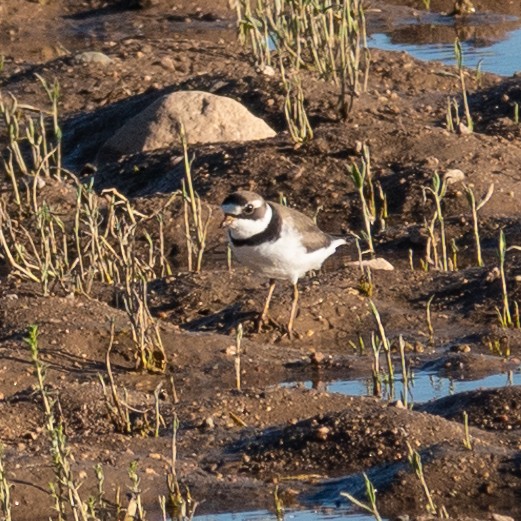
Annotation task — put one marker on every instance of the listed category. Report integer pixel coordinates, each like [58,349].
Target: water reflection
[422,386]
[336,514]
[495,50]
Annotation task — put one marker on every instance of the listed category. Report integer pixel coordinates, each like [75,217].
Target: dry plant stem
[504,316]
[238,340]
[466,440]
[135,508]
[173,391]
[438,191]
[150,353]
[405,373]
[193,211]
[118,411]
[375,366]
[416,463]
[329,39]
[182,509]
[159,421]
[429,321]
[459,59]
[67,489]
[475,207]
[358,176]
[5,490]
[53,92]
[100,479]
[37,245]
[370,492]
[384,339]
[278,504]
[294,107]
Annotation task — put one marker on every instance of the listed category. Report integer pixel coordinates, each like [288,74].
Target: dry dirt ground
[234,446]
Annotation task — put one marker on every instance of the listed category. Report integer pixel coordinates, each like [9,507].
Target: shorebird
[275,241]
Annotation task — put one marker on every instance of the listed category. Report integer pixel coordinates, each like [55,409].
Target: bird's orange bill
[227,221]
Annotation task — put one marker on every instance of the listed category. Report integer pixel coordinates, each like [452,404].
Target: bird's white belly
[284,258]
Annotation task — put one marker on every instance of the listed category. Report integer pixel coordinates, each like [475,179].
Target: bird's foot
[293,334]
[266,320]
[261,320]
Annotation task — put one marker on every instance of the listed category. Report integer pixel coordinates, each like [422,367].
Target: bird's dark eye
[248,209]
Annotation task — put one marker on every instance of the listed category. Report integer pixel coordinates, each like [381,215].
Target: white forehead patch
[235,209]
[231,209]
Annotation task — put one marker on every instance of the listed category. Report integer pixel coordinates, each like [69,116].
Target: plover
[275,241]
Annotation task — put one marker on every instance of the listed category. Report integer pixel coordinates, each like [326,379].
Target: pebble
[167,63]
[155,455]
[375,264]
[499,517]
[95,57]
[453,175]
[316,358]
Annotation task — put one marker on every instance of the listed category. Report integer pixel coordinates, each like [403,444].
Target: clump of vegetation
[5,490]
[65,488]
[102,239]
[363,183]
[325,37]
[506,317]
[196,225]
[475,207]
[438,192]
[416,463]
[370,492]
[128,419]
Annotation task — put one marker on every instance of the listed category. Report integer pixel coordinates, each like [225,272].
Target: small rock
[453,176]
[208,423]
[398,404]
[167,63]
[463,129]
[316,358]
[29,180]
[230,350]
[462,348]
[499,517]
[375,264]
[95,57]
[155,455]
[206,118]
[322,433]
[267,70]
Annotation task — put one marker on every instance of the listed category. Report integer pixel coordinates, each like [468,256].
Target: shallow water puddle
[422,387]
[294,515]
[488,41]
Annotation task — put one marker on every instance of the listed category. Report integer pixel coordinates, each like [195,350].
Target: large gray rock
[206,118]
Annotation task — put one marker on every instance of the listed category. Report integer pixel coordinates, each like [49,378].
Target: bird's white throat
[246,228]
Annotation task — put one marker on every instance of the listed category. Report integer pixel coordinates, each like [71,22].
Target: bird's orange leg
[266,309]
[293,311]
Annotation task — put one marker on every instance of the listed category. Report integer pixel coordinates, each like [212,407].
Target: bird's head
[245,214]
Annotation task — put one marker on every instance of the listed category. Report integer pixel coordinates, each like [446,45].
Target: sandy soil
[233,447]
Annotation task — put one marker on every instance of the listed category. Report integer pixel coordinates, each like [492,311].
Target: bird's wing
[312,237]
